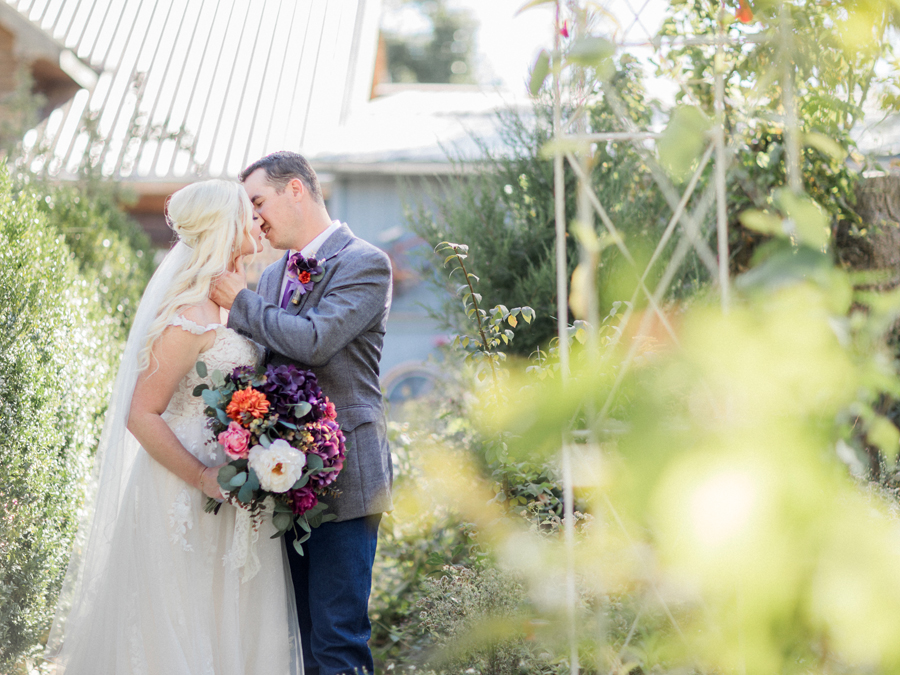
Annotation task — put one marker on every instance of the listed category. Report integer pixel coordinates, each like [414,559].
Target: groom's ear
[297,188]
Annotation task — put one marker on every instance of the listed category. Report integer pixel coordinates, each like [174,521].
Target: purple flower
[327,443]
[243,374]
[287,385]
[305,272]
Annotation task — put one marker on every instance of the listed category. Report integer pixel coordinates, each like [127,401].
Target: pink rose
[236,441]
[330,412]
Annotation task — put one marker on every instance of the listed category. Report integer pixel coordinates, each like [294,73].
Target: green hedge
[60,337]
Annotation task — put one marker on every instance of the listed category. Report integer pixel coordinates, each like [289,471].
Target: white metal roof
[417,129]
[200,88]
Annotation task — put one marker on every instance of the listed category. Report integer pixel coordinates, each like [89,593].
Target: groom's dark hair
[282,167]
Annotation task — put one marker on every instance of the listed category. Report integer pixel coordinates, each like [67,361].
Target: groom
[336,329]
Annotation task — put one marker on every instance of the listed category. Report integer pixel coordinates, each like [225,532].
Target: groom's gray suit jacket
[336,331]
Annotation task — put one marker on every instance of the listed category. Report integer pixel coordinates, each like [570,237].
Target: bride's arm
[174,354]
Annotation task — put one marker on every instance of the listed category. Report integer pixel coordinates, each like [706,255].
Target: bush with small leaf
[60,337]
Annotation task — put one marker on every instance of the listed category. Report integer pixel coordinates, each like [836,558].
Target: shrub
[108,246]
[59,342]
[413,544]
[503,209]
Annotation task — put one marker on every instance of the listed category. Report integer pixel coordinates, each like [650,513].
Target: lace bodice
[229,351]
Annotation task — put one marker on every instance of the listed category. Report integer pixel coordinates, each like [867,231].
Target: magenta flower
[303,500]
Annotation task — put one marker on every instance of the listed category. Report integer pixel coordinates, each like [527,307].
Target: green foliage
[492,331]
[19,111]
[109,248]
[839,57]
[413,544]
[474,617]
[59,346]
[504,209]
[441,56]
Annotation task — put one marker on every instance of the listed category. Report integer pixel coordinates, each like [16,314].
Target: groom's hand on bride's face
[226,287]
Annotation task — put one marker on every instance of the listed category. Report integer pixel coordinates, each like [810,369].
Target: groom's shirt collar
[311,248]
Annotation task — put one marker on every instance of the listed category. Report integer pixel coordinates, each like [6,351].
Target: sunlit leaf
[762,221]
[531,4]
[596,52]
[562,146]
[883,434]
[825,145]
[810,222]
[682,141]
[539,72]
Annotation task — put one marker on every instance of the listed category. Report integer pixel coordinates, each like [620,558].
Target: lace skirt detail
[167,602]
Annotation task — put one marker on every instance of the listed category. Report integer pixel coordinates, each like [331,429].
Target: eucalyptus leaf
[201,369]
[282,521]
[264,440]
[302,409]
[245,494]
[218,379]
[314,462]
[238,480]
[211,397]
[298,547]
[252,480]
[199,389]
[301,482]
[226,473]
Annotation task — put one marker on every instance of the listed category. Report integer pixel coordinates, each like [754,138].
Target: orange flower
[744,13]
[249,401]
[304,277]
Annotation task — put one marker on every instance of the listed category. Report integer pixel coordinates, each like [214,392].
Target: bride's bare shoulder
[202,315]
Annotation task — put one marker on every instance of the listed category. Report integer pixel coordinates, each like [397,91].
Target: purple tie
[288,292]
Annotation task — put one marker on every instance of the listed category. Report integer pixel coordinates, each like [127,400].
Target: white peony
[278,467]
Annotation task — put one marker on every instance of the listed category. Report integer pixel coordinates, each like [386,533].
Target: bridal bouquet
[280,433]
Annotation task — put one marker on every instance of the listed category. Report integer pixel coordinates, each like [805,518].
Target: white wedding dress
[171,594]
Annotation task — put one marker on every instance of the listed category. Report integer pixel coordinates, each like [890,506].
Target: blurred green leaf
[762,221]
[539,72]
[683,141]
[596,52]
[882,433]
[810,223]
[825,145]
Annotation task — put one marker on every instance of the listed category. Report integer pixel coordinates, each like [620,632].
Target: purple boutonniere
[302,274]
[306,271]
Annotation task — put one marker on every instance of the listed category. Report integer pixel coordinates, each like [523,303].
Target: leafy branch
[492,331]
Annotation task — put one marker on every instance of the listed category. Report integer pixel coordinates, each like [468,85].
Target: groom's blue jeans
[332,582]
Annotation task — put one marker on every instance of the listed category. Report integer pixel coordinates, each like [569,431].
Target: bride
[156,585]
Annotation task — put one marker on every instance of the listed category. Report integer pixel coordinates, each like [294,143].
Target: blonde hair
[211,217]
